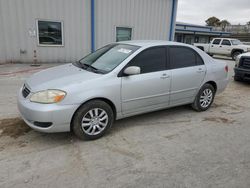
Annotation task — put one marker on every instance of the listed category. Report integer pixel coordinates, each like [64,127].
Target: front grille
[245,63]
[25,91]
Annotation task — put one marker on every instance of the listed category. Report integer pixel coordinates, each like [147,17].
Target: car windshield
[107,58]
[236,42]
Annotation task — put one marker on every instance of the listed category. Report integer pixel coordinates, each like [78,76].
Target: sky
[197,11]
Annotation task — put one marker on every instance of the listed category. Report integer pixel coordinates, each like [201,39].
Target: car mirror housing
[132,70]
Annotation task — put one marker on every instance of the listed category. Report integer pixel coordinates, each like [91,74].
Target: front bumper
[59,115]
[242,73]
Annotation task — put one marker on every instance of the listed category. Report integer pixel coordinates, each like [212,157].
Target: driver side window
[150,60]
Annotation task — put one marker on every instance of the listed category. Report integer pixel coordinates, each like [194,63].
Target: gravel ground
[177,147]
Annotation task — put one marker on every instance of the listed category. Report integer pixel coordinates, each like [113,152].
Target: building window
[196,39]
[50,33]
[123,33]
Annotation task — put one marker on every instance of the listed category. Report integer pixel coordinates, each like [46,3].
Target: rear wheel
[204,98]
[93,120]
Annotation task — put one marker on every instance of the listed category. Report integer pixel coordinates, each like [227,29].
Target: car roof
[227,38]
[151,43]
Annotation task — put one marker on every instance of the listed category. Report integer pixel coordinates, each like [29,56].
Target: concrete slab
[177,147]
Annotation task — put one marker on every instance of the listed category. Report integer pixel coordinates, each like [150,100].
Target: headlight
[48,96]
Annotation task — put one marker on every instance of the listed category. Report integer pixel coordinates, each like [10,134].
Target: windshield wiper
[90,67]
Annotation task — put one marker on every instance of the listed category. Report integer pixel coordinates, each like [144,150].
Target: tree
[224,24]
[213,21]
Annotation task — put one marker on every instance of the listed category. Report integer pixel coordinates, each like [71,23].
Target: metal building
[66,30]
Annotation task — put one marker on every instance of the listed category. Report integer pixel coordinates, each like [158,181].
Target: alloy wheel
[206,98]
[94,121]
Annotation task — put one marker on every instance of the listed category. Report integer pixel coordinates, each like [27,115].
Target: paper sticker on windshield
[123,50]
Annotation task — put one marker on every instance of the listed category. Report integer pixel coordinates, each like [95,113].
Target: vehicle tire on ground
[237,78]
[92,120]
[235,54]
[204,98]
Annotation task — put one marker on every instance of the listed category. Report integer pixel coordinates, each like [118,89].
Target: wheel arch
[213,83]
[109,102]
[236,50]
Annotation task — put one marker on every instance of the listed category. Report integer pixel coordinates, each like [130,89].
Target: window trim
[127,27]
[121,73]
[49,45]
[180,46]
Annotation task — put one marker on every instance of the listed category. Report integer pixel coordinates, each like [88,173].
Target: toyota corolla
[120,80]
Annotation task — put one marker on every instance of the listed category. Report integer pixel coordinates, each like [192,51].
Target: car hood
[244,55]
[59,77]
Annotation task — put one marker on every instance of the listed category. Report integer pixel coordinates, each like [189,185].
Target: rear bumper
[46,117]
[242,73]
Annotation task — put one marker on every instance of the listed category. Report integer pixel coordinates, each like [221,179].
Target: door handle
[220,46]
[164,76]
[200,70]
[212,46]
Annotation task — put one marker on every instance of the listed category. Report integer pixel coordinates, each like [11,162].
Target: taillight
[226,68]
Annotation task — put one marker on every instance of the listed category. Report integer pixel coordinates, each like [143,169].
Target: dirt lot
[171,148]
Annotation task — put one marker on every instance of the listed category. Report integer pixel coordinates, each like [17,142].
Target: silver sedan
[120,80]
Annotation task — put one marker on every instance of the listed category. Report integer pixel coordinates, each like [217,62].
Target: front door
[215,46]
[188,72]
[150,89]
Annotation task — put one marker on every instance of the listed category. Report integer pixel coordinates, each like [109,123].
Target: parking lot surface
[177,147]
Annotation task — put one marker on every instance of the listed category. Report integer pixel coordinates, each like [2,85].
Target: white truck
[224,46]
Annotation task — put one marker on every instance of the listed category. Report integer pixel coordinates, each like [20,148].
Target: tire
[92,120]
[237,78]
[201,48]
[235,54]
[207,92]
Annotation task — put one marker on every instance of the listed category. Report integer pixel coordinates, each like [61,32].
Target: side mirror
[132,70]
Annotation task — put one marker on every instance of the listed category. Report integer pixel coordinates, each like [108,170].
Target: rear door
[188,72]
[215,46]
[150,89]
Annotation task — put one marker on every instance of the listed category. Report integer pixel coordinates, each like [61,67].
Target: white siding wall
[18,16]
[150,19]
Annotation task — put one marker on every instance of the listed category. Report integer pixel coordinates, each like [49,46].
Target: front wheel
[204,98]
[92,120]
[237,78]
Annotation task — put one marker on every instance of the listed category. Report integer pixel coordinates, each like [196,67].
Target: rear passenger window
[150,60]
[216,41]
[183,57]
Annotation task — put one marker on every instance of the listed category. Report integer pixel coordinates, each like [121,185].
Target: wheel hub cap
[206,98]
[94,121]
